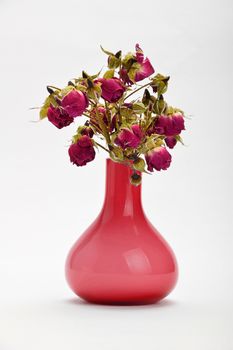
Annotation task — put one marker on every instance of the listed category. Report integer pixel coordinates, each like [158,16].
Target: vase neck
[122,199]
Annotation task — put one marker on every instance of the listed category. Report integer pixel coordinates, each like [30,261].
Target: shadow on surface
[82,303]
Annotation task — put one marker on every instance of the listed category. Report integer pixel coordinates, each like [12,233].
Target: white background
[46,203]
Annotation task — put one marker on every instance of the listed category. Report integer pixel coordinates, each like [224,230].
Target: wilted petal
[145,71]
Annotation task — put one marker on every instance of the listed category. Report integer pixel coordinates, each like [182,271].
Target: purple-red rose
[146,68]
[129,137]
[169,125]
[58,117]
[82,151]
[112,89]
[75,103]
[158,158]
[170,141]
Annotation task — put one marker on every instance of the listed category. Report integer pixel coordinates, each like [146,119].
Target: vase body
[121,258]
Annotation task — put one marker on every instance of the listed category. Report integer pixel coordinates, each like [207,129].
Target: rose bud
[58,117]
[113,61]
[113,123]
[82,151]
[87,130]
[150,131]
[129,137]
[128,105]
[112,89]
[135,179]
[124,76]
[169,125]
[158,158]
[146,69]
[75,103]
[170,141]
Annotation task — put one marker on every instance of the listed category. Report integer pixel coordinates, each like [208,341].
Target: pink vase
[121,258]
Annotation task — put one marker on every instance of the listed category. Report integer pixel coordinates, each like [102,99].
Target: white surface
[46,203]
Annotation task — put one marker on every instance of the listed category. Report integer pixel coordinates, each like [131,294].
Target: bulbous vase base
[121,258]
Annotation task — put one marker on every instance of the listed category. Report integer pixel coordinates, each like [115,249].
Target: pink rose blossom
[146,68]
[82,151]
[58,117]
[75,103]
[158,158]
[169,125]
[112,89]
[129,137]
[170,141]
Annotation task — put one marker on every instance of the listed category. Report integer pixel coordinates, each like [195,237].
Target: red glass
[121,258]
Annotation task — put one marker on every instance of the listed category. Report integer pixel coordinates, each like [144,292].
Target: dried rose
[135,67]
[129,137]
[146,69]
[58,117]
[170,141]
[158,158]
[75,103]
[82,151]
[170,125]
[112,89]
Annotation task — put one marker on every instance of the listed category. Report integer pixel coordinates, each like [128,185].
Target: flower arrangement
[136,130]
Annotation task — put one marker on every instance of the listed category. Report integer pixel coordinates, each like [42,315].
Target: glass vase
[121,258]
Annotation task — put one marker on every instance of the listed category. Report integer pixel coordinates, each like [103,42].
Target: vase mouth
[109,160]
[111,164]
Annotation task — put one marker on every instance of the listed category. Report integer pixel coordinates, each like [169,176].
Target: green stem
[96,128]
[141,87]
[98,144]
[93,104]
[102,126]
[108,113]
